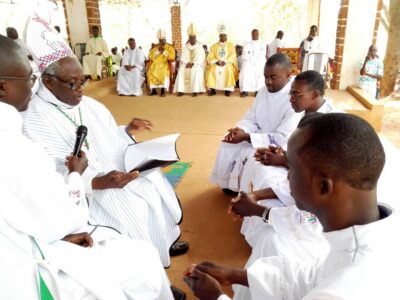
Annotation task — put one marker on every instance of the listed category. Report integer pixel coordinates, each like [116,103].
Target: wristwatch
[265,215]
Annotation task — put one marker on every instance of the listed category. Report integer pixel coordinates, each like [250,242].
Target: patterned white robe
[146,208]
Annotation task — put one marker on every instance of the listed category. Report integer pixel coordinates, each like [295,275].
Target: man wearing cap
[131,73]
[251,77]
[96,52]
[160,70]
[190,78]
[222,71]
[145,207]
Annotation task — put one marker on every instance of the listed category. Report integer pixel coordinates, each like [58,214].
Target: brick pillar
[176,26]
[66,21]
[93,13]
[377,21]
[340,37]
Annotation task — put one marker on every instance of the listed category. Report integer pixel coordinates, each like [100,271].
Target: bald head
[15,75]
[11,55]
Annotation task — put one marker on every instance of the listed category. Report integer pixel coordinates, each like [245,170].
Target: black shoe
[255,95]
[177,293]
[162,93]
[153,92]
[212,92]
[180,94]
[194,95]
[227,93]
[243,94]
[230,192]
[178,248]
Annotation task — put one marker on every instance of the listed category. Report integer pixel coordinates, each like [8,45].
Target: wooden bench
[374,108]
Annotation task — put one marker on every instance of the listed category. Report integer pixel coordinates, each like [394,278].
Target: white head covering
[45,44]
[191,30]
[221,29]
[161,34]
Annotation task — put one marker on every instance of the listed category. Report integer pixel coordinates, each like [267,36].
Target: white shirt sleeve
[224,297]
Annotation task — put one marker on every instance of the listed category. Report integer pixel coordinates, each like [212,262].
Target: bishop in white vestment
[190,78]
[251,76]
[145,208]
[131,73]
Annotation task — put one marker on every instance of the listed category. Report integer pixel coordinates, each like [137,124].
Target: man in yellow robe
[160,70]
[222,71]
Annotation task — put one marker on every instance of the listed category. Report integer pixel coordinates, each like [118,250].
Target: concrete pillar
[312,13]
[355,28]
[80,16]
[377,21]
[176,26]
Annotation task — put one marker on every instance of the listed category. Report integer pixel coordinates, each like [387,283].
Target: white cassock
[273,47]
[251,77]
[146,208]
[261,176]
[92,63]
[291,233]
[191,80]
[361,264]
[116,58]
[270,119]
[130,82]
[35,205]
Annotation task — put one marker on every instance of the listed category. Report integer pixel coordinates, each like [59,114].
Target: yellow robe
[231,69]
[159,67]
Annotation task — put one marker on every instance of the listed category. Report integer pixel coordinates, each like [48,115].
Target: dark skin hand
[113,180]
[236,135]
[245,205]
[82,239]
[189,65]
[271,156]
[128,68]
[77,163]
[220,63]
[203,285]
[138,124]
[98,53]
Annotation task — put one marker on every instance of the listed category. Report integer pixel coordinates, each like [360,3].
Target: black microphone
[81,134]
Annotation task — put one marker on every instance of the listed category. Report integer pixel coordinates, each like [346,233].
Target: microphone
[81,134]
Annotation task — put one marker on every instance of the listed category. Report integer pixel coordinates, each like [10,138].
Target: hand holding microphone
[77,161]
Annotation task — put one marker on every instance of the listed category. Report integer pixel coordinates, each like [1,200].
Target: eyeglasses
[31,79]
[73,86]
[295,94]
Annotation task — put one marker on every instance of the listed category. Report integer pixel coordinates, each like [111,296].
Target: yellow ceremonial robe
[159,67]
[225,53]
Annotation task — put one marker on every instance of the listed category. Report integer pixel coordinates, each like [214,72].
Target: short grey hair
[53,69]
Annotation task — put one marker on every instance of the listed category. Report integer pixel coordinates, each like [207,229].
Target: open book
[146,156]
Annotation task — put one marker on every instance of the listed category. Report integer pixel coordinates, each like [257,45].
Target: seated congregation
[303,176]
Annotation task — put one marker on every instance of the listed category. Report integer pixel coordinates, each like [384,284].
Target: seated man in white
[271,119]
[190,78]
[335,161]
[141,207]
[115,60]
[269,167]
[251,76]
[131,73]
[96,51]
[47,249]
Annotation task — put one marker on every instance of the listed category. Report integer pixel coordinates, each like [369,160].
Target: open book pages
[147,156]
